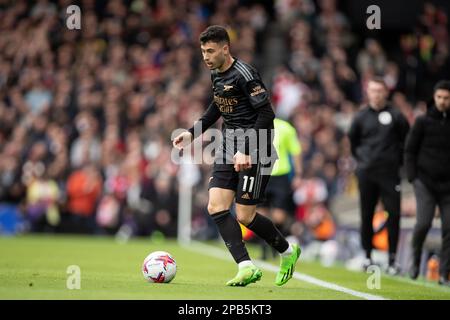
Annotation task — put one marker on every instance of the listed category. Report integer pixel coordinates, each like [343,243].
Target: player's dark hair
[379,80]
[215,34]
[442,85]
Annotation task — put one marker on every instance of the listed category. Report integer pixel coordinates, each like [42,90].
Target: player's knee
[214,207]
[245,215]
[244,219]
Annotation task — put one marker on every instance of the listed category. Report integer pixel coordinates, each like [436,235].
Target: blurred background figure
[377,137]
[42,209]
[427,154]
[84,187]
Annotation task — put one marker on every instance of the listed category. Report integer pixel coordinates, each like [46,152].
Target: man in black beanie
[427,160]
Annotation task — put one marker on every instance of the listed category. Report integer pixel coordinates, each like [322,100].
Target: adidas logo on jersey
[246,196]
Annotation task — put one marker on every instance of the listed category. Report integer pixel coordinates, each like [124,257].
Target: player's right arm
[211,115]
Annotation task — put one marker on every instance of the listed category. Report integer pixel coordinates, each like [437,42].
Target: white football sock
[288,251]
[244,264]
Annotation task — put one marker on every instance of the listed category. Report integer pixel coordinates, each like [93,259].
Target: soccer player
[278,197]
[242,100]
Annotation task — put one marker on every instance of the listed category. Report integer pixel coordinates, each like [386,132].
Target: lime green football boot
[287,266]
[245,276]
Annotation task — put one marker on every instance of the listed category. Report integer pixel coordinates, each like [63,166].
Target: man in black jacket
[427,160]
[377,137]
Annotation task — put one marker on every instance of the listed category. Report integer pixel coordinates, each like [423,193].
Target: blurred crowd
[86,115]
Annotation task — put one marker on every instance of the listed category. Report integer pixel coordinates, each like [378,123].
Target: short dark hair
[379,80]
[215,34]
[442,85]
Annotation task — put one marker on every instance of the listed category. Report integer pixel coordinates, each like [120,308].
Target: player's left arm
[258,98]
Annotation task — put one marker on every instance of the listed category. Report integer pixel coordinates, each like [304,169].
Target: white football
[159,267]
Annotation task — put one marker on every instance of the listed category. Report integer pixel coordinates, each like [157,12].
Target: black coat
[427,150]
[377,139]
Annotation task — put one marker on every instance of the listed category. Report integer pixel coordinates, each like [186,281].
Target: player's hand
[242,161]
[182,140]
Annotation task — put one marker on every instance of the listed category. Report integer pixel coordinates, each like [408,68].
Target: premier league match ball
[159,267]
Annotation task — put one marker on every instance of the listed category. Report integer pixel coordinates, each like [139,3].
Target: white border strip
[221,254]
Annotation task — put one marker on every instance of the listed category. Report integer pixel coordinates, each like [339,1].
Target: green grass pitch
[35,267]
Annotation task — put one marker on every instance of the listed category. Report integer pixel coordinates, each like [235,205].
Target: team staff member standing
[377,137]
[242,100]
[427,161]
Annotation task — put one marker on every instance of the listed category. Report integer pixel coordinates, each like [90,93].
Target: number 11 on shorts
[250,188]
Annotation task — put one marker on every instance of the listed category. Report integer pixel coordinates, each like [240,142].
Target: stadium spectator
[42,209]
[84,187]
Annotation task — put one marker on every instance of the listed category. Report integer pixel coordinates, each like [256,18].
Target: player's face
[214,54]
[442,99]
[377,94]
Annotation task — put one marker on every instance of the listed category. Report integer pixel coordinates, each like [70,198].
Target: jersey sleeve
[211,115]
[255,90]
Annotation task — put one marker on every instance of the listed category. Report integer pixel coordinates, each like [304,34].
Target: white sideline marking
[221,254]
[418,282]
